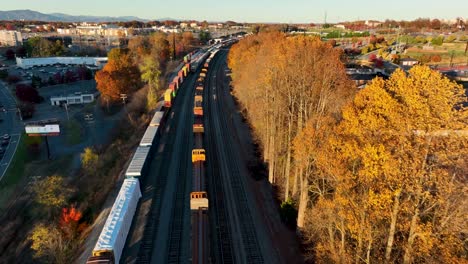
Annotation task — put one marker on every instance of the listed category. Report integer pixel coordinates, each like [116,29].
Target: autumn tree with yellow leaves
[89,160]
[51,192]
[50,245]
[394,195]
[380,176]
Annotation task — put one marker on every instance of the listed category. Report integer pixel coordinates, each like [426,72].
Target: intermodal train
[199,195]
[111,241]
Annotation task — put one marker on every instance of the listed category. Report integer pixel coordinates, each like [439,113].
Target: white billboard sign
[45,130]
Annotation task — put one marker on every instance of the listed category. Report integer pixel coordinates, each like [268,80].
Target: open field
[449,53]
[73,135]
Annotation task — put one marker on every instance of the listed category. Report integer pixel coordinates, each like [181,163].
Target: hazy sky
[287,11]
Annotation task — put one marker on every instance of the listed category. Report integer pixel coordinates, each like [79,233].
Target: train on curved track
[111,241]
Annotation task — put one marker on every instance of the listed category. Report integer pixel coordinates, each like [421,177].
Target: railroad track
[250,242]
[174,246]
[147,244]
[176,229]
[220,231]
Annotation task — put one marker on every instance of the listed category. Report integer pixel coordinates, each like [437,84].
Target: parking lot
[51,87]
[44,72]
[45,110]
[72,114]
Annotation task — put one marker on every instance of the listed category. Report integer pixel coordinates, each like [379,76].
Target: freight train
[199,196]
[110,244]
[199,202]
[111,241]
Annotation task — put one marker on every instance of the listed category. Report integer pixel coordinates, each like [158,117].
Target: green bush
[288,213]
[3,74]
[334,34]
[450,39]
[438,41]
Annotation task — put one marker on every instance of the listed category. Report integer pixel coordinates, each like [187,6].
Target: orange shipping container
[168,98]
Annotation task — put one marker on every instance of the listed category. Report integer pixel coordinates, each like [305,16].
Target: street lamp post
[20,114]
[66,109]
[451,58]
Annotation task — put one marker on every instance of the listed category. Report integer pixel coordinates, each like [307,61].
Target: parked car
[6,136]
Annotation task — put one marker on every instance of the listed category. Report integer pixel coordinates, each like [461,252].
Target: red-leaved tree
[69,221]
[27,93]
[10,54]
[379,63]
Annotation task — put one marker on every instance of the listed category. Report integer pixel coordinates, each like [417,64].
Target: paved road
[10,125]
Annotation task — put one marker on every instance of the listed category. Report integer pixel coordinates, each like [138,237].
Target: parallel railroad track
[181,200]
[174,245]
[221,233]
[246,222]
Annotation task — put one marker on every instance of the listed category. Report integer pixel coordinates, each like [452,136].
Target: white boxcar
[135,169]
[112,238]
[156,120]
[148,138]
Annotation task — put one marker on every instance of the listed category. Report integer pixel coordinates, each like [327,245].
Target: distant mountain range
[34,15]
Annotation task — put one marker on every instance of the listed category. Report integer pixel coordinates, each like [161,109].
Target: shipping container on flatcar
[112,239]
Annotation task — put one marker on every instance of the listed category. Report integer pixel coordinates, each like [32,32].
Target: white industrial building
[10,38]
[71,99]
[67,31]
[166,29]
[98,62]
[95,30]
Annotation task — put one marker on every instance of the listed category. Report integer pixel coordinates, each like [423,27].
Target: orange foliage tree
[69,221]
[119,76]
[282,82]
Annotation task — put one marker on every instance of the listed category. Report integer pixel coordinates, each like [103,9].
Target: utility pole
[398,40]
[173,46]
[451,58]
[48,148]
[123,97]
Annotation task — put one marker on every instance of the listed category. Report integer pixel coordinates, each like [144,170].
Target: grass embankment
[73,132]
[17,164]
[14,173]
[25,165]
